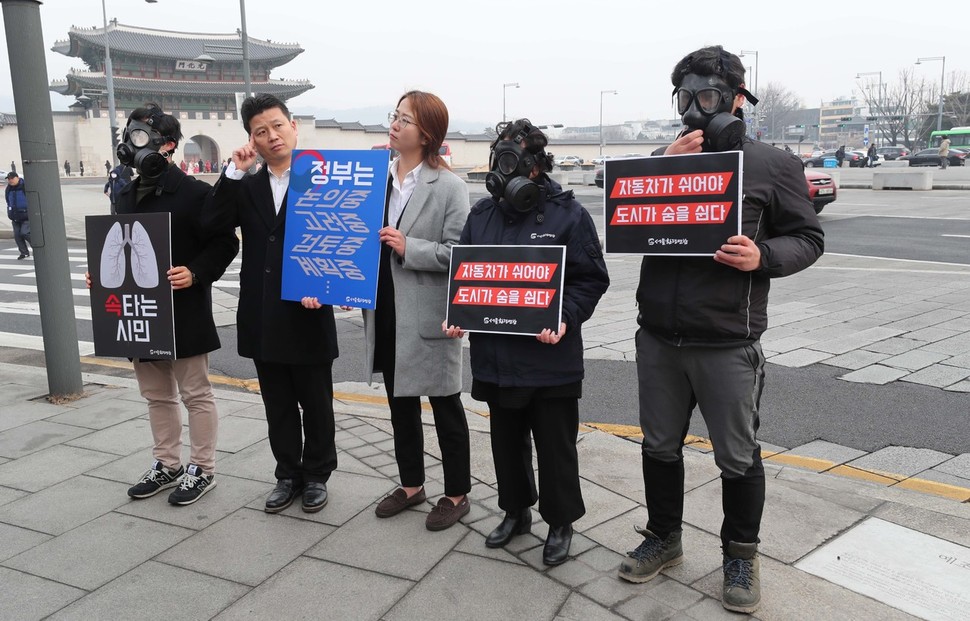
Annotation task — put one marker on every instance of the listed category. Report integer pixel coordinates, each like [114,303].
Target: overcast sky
[363,54]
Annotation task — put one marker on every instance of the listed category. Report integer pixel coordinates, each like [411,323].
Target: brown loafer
[398,501]
[446,513]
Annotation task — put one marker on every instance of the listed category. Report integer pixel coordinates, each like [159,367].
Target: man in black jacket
[15,195]
[700,323]
[292,347]
[199,258]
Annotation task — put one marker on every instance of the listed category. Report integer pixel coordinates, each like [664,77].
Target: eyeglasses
[403,121]
[708,99]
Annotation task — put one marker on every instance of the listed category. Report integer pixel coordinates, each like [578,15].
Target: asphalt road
[799,404]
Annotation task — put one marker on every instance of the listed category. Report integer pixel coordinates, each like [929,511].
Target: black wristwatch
[195,279]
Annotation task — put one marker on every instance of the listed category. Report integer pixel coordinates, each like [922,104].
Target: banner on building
[132,314]
[682,205]
[506,289]
[334,209]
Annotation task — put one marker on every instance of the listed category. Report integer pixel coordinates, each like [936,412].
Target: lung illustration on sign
[144,264]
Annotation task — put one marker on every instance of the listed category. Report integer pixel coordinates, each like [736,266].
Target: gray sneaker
[651,556]
[742,577]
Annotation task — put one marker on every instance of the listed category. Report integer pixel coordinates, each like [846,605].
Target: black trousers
[553,424]
[449,413]
[304,445]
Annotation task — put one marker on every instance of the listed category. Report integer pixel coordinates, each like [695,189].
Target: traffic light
[799,126]
[846,118]
[870,118]
[115,137]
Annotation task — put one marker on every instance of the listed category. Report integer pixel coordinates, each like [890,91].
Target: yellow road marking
[953,492]
[865,475]
[809,463]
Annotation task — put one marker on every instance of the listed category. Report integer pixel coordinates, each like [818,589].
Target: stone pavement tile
[348,463]
[36,436]
[97,552]
[828,451]
[874,374]
[12,392]
[100,415]
[347,496]
[618,534]
[838,490]
[956,488]
[482,465]
[579,608]
[470,587]
[14,540]
[8,495]
[66,505]
[237,433]
[25,597]
[799,358]
[121,439]
[933,334]
[602,505]
[663,591]
[914,360]
[376,461]
[23,412]
[855,359]
[363,451]
[311,589]
[601,559]
[953,346]
[926,319]
[939,375]
[963,386]
[781,537]
[711,610]
[856,340]
[789,594]
[50,466]
[610,590]
[963,360]
[788,344]
[958,466]
[900,460]
[155,591]
[574,573]
[229,494]
[894,346]
[255,411]
[400,546]
[271,542]
[949,527]
[254,462]
[474,543]
[702,555]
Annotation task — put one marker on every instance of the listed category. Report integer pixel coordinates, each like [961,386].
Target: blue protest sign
[334,208]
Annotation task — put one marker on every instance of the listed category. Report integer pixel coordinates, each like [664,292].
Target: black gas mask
[141,148]
[509,168]
[705,103]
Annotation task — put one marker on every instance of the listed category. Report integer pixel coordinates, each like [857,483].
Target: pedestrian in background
[16,198]
[944,152]
[67,168]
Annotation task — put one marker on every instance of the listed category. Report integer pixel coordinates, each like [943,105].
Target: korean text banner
[131,299]
[506,289]
[683,205]
[334,208]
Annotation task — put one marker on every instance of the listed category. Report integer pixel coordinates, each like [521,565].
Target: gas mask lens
[139,138]
[508,163]
[708,100]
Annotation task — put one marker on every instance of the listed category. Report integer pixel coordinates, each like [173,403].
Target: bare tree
[902,110]
[956,105]
[775,107]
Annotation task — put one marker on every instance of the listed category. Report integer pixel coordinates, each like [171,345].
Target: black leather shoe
[282,495]
[515,523]
[314,496]
[556,550]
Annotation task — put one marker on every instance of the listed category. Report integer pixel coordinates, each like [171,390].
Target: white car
[602,158]
[569,160]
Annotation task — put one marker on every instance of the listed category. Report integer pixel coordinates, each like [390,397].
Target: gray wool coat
[426,362]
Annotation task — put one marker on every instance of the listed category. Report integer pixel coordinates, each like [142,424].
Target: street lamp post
[879,98]
[939,112]
[505,87]
[757,124]
[110,85]
[601,117]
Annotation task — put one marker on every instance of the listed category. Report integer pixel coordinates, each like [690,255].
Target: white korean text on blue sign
[334,209]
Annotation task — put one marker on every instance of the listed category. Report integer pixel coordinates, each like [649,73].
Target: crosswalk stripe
[14,288]
[36,343]
[33,308]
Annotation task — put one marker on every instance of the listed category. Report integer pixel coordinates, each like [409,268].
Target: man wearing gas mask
[200,258]
[533,384]
[700,322]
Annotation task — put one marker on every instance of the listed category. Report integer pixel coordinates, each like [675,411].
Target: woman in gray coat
[427,207]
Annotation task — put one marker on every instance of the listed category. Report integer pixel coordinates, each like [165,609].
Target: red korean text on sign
[504,296]
[510,272]
[697,184]
[668,213]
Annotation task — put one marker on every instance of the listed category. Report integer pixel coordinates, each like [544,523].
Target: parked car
[600,159]
[931,157]
[821,189]
[892,153]
[569,160]
[598,177]
[854,159]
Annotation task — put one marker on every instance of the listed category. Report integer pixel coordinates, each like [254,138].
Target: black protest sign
[506,289]
[684,205]
[131,299]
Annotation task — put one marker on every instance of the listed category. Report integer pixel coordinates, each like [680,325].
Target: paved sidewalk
[73,546]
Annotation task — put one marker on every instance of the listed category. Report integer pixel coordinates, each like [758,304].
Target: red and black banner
[131,299]
[686,205]
[506,289]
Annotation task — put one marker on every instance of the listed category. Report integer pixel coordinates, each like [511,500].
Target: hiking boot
[651,556]
[742,577]
[192,486]
[155,480]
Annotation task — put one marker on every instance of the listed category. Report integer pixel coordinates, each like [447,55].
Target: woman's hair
[431,117]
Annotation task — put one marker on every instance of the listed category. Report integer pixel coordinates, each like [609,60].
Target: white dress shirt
[401,191]
[279,184]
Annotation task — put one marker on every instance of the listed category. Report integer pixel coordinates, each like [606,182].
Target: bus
[959,138]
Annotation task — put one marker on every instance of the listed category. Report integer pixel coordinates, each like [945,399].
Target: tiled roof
[76,80]
[178,45]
